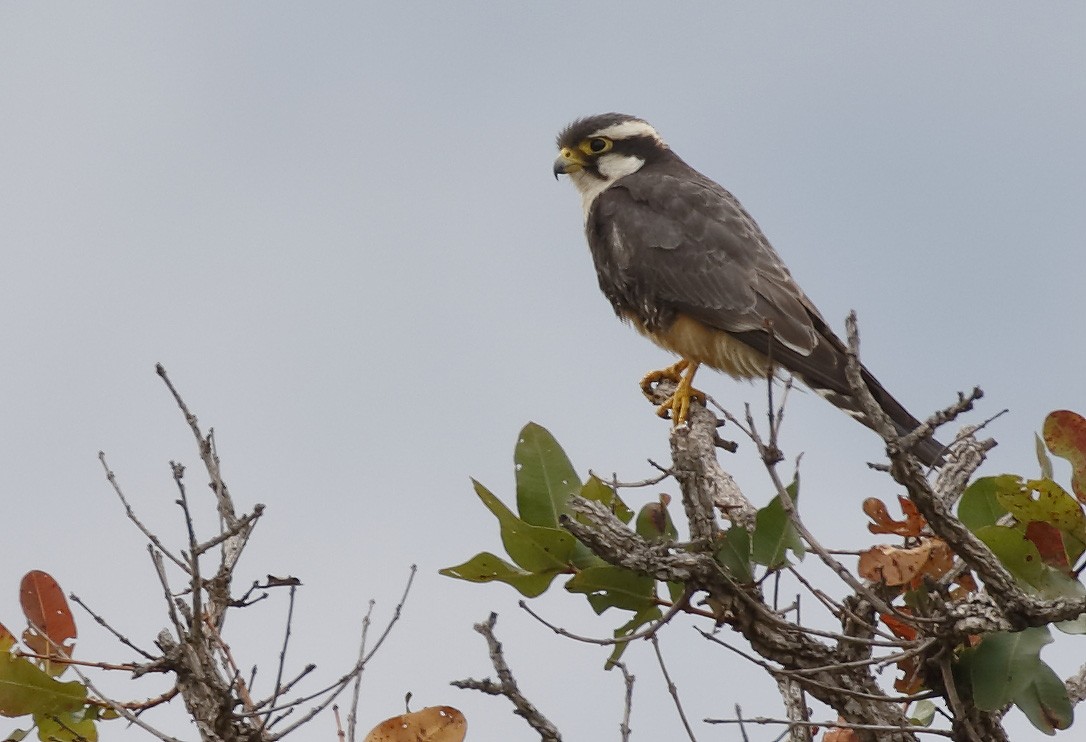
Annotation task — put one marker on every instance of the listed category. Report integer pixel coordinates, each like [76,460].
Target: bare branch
[507,685]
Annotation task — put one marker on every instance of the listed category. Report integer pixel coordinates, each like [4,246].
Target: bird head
[598,150]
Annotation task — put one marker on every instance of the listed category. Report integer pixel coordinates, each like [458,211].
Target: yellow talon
[676,406]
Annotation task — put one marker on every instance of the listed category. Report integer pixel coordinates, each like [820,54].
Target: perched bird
[682,261]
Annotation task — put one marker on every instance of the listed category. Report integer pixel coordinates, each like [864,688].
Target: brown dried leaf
[47,613]
[895,565]
[431,724]
[910,681]
[910,527]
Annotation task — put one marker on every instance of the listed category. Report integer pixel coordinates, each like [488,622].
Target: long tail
[930,451]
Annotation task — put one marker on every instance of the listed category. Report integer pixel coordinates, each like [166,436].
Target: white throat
[612,167]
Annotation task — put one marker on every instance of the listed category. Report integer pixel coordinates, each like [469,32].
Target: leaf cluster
[59,711]
[539,549]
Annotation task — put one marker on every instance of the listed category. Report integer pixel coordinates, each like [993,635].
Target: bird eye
[599,145]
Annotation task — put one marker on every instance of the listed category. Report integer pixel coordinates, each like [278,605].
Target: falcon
[682,261]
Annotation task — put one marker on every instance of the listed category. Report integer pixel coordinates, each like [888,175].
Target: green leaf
[1023,560]
[733,554]
[1016,552]
[25,689]
[487,567]
[1043,459]
[535,548]
[980,505]
[599,491]
[614,587]
[1004,663]
[630,627]
[774,534]
[1044,701]
[1007,668]
[923,713]
[1051,505]
[75,727]
[545,478]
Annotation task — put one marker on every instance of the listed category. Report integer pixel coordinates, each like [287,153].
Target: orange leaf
[47,612]
[431,724]
[901,629]
[895,565]
[840,734]
[910,681]
[877,511]
[1065,435]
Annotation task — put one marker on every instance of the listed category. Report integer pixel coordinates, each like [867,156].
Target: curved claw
[677,405]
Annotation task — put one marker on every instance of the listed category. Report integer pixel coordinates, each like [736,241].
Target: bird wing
[679,239]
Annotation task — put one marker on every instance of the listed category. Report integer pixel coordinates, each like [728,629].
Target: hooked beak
[569,161]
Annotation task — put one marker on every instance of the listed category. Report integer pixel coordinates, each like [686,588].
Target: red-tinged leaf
[1049,542]
[1065,435]
[654,523]
[1045,702]
[51,626]
[7,639]
[901,629]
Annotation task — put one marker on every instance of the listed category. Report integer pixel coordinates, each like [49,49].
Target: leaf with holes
[896,566]
[545,477]
[51,628]
[1044,500]
[1023,560]
[432,724]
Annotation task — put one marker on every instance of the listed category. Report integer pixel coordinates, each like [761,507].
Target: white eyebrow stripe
[627,130]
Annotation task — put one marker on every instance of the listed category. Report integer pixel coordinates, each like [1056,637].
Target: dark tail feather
[929,450]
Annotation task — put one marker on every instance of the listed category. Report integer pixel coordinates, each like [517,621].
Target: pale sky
[335,224]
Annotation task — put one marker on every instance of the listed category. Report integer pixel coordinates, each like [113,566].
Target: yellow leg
[677,406]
